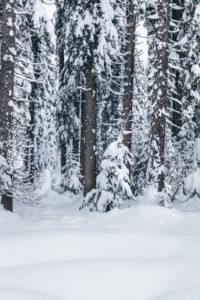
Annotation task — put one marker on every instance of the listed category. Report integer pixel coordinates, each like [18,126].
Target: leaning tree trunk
[88,134]
[156,174]
[129,71]
[7,88]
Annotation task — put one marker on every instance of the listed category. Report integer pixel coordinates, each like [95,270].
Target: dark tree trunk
[129,72]
[31,162]
[63,154]
[77,133]
[197,120]
[61,62]
[157,156]
[7,88]
[88,134]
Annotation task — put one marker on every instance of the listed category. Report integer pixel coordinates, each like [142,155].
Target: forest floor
[53,251]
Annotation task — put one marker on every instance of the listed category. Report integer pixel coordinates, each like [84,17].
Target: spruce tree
[189,29]
[35,83]
[62,111]
[156,170]
[129,71]
[113,183]
[90,45]
[140,129]
[8,53]
[44,91]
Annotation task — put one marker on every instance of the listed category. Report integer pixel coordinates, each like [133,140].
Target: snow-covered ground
[56,252]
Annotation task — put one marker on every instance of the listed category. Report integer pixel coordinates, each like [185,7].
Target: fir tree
[129,71]
[34,97]
[8,53]
[140,129]
[156,170]
[90,45]
[44,90]
[189,29]
[113,183]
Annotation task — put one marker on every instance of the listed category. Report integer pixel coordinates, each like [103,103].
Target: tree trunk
[61,62]
[177,107]
[7,88]
[129,72]
[33,107]
[197,120]
[158,123]
[88,134]
[31,129]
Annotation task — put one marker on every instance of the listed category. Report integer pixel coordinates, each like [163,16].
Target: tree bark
[177,107]
[158,123]
[7,88]
[32,108]
[129,72]
[197,120]
[61,62]
[88,134]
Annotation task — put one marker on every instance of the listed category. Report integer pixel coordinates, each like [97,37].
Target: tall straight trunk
[129,72]
[61,62]
[31,161]
[63,146]
[197,120]
[88,134]
[158,122]
[33,106]
[177,109]
[7,88]
[176,105]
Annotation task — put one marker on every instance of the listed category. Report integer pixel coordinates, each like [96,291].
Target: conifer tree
[111,94]
[113,183]
[189,29]
[129,71]
[62,112]
[90,45]
[8,52]
[34,97]
[174,102]
[175,68]
[156,172]
[43,90]
[24,78]
[140,129]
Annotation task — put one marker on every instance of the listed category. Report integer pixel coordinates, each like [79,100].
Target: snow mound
[192,293]
[20,294]
[54,251]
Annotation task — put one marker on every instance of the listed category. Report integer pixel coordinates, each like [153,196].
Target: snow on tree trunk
[88,134]
[175,60]
[61,62]
[8,53]
[129,72]
[191,186]
[156,172]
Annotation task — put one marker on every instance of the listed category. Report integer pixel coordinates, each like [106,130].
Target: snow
[54,251]
[141,43]
[191,182]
